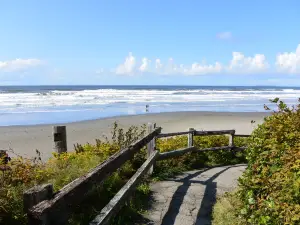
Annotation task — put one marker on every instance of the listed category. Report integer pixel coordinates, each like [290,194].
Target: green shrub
[270,186]
[226,210]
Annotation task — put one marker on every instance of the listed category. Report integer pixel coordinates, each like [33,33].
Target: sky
[157,42]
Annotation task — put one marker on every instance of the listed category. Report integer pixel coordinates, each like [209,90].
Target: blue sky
[194,42]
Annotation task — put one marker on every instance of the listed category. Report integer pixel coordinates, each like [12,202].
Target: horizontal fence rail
[45,208]
[242,135]
[174,134]
[181,152]
[214,132]
[114,205]
[57,209]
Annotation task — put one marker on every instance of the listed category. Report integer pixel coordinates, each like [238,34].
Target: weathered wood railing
[45,208]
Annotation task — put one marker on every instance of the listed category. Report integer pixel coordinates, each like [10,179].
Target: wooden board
[214,132]
[58,209]
[112,208]
[176,153]
[174,134]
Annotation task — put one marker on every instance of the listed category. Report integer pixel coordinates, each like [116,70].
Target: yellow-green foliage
[270,187]
[62,169]
[196,160]
[226,210]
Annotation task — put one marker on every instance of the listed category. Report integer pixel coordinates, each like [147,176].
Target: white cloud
[242,64]
[158,64]
[194,69]
[128,66]
[100,71]
[201,69]
[171,67]
[289,62]
[239,64]
[19,64]
[145,65]
[224,35]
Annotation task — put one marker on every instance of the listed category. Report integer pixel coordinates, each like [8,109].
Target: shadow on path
[209,197]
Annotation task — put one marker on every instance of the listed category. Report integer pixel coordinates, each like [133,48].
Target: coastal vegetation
[21,173]
[268,193]
[269,190]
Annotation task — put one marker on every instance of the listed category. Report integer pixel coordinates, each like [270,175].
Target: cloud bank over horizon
[19,64]
[287,62]
[285,68]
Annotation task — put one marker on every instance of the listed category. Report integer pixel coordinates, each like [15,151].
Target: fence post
[35,195]
[151,145]
[191,137]
[154,139]
[60,139]
[231,140]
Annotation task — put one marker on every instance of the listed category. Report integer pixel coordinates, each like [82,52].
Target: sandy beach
[25,139]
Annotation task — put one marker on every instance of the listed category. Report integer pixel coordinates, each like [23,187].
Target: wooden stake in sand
[60,139]
[191,137]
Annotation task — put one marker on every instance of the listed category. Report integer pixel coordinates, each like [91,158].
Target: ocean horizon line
[144,85]
[25,105]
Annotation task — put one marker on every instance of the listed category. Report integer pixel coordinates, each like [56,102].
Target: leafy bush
[226,210]
[270,186]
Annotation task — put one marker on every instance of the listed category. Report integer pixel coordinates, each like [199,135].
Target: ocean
[30,105]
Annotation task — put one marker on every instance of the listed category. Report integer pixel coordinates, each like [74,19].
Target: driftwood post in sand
[60,139]
[191,137]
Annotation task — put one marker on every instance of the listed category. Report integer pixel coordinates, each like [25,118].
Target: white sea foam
[25,102]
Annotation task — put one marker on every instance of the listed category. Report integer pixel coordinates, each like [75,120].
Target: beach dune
[24,140]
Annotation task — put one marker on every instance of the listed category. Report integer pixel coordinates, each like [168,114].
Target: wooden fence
[43,207]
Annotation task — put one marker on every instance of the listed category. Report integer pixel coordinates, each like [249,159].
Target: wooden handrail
[242,135]
[173,134]
[117,201]
[180,152]
[202,133]
[57,208]
[214,132]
